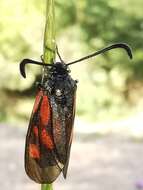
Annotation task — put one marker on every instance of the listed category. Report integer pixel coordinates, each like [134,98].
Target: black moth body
[50,130]
[53,118]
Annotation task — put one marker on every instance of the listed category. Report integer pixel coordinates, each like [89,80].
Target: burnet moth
[50,131]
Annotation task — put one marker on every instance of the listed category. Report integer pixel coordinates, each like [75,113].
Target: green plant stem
[46,187]
[49,36]
[49,49]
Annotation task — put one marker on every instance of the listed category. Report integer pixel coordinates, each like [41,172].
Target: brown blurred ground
[112,162]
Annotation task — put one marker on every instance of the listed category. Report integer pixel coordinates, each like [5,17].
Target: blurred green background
[110,86]
[108,125]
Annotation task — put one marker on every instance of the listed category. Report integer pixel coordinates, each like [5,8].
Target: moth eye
[58,92]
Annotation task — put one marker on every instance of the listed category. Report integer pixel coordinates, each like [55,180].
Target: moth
[50,131]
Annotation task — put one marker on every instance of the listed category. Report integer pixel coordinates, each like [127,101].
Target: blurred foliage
[109,86]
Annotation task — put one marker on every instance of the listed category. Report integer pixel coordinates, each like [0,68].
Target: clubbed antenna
[30,61]
[59,54]
[114,46]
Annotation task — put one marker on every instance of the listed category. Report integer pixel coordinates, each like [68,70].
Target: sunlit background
[107,150]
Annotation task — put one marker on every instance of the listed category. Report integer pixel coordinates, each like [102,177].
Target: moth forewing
[63,116]
[41,163]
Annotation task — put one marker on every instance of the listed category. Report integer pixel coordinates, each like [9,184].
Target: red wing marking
[37,101]
[46,139]
[45,111]
[35,130]
[33,151]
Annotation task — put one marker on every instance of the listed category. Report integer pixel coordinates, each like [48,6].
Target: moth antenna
[59,54]
[29,61]
[114,46]
[42,58]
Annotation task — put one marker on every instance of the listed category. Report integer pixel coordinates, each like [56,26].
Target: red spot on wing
[45,111]
[37,101]
[34,151]
[35,130]
[46,139]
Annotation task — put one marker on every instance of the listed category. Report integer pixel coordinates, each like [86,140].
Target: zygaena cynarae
[50,130]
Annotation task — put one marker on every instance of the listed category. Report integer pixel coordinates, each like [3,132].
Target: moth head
[60,68]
